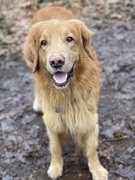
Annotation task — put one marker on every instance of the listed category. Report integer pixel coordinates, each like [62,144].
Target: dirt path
[24,151]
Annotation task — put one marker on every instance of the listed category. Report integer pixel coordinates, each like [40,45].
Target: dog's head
[58,46]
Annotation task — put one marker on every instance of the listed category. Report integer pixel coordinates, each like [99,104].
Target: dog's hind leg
[37,104]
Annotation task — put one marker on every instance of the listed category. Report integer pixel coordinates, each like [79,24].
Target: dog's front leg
[96,169]
[56,165]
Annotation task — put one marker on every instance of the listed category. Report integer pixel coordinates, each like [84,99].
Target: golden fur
[71,110]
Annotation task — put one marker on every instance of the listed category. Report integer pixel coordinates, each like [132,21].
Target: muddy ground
[24,143]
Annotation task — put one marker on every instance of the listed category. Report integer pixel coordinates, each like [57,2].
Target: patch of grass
[98,24]
[1,63]
[1,16]
[42,1]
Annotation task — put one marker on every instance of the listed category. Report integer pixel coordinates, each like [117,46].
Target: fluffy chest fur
[74,116]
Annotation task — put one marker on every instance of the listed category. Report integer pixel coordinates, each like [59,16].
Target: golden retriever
[66,76]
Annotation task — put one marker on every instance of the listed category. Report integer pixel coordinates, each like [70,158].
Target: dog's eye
[44,42]
[70,39]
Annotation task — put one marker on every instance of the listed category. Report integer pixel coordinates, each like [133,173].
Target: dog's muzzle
[61,79]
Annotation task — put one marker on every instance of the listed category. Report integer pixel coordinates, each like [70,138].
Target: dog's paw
[55,171]
[100,174]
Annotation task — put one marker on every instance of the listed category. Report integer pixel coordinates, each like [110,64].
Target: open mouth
[61,79]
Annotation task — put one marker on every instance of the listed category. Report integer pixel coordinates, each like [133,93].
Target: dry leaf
[116,16]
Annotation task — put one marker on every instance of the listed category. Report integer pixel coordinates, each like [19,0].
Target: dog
[67,83]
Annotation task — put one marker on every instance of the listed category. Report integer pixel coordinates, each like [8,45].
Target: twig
[118,139]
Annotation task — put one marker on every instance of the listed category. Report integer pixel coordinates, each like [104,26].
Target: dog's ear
[30,50]
[86,35]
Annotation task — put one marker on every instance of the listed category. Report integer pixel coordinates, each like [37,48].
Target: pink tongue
[60,77]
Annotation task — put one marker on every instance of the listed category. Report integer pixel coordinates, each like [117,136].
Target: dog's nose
[57,60]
